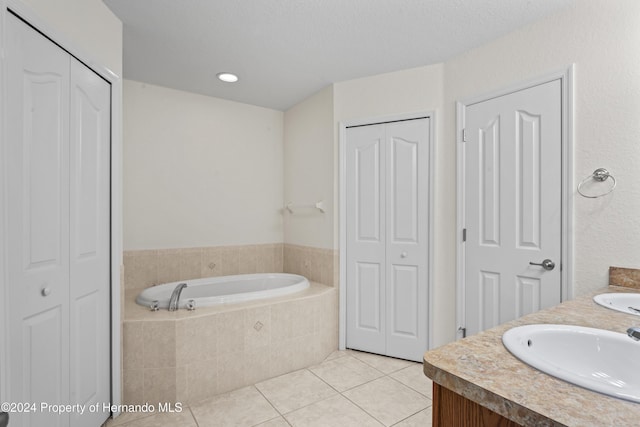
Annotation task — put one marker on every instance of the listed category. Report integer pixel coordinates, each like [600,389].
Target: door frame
[28,15]
[566,77]
[342,141]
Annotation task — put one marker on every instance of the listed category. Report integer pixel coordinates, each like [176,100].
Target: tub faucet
[175,296]
[634,332]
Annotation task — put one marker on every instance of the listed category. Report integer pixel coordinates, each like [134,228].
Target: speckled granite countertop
[481,369]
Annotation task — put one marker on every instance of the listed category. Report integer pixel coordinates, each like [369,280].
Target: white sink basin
[624,302]
[599,360]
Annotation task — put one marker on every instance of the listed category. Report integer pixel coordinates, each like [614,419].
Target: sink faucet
[634,332]
[175,296]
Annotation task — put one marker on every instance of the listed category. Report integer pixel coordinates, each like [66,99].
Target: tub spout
[175,296]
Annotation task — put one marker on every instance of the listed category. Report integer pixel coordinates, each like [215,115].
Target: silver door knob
[547,264]
[46,291]
[403,255]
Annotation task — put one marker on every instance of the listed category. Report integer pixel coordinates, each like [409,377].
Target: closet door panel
[38,217]
[366,239]
[407,190]
[89,241]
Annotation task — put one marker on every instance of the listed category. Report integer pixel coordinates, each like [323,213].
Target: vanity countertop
[482,370]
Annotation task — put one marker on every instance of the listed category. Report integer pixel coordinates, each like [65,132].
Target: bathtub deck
[133,311]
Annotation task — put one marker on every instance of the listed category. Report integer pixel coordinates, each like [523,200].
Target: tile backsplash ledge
[626,277]
[144,268]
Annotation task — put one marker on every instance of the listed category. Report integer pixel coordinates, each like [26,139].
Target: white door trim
[342,141]
[29,16]
[566,77]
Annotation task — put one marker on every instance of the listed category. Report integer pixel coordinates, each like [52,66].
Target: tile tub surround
[187,356]
[144,268]
[316,264]
[481,369]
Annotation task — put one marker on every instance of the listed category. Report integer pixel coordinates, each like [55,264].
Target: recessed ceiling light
[227,77]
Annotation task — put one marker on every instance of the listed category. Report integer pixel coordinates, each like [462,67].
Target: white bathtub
[225,289]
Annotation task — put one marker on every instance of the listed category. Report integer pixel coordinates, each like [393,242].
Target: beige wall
[601,37]
[88,24]
[309,170]
[406,91]
[199,171]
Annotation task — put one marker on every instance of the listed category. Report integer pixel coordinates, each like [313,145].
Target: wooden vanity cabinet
[453,410]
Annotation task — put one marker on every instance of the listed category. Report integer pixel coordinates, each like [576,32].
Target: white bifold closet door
[387,238]
[58,145]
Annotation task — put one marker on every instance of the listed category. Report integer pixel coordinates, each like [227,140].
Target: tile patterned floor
[349,388]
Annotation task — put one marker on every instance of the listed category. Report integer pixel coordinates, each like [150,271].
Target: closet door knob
[46,291]
[403,255]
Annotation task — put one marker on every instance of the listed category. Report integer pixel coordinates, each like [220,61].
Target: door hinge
[463,331]
[464,234]
[464,135]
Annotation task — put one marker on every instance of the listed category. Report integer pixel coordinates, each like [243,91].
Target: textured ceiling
[285,50]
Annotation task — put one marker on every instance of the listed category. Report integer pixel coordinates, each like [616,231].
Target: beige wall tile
[190,263]
[265,258]
[229,259]
[141,269]
[133,386]
[197,339]
[317,264]
[281,321]
[247,259]
[159,385]
[159,344]
[304,315]
[257,364]
[168,265]
[182,390]
[326,268]
[278,259]
[230,332]
[257,327]
[282,357]
[211,263]
[307,351]
[202,379]
[133,345]
[231,367]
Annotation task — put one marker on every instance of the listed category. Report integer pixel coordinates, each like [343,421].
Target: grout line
[193,416]
[363,410]
[404,419]
[281,415]
[341,393]
[409,387]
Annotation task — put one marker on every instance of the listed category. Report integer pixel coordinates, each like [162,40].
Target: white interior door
[89,243]
[387,238]
[58,121]
[366,238]
[38,216]
[513,205]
